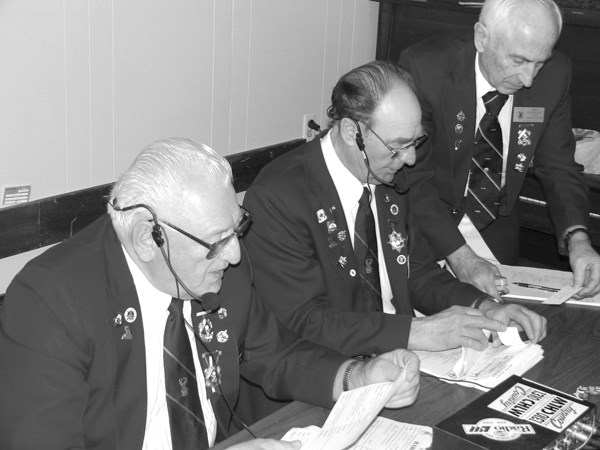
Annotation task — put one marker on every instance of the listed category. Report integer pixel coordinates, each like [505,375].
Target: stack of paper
[482,369]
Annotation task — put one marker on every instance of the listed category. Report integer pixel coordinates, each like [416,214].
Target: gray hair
[359,92]
[158,174]
[495,14]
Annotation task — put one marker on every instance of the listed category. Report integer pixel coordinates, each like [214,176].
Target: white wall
[85,84]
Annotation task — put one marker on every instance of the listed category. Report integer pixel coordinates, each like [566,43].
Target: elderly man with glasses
[117,339]
[337,255]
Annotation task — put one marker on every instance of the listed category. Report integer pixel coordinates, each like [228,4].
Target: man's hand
[399,366]
[266,444]
[532,323]
[585,263]
[470,268]
[454,327]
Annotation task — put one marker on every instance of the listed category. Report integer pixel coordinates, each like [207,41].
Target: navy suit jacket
[71,377]
[444,72]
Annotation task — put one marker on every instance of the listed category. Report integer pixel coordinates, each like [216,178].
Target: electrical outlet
[308,133]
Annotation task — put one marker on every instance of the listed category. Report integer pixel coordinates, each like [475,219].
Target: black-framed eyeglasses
[213,249]
[416,143]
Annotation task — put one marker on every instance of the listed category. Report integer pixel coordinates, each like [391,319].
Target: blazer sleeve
[43,360]
[554,163]
[299,283]
[432,214]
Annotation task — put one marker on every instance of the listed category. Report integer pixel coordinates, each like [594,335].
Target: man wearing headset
[83,326]
[303,240]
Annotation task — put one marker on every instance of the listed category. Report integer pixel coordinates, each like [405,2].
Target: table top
[571,359]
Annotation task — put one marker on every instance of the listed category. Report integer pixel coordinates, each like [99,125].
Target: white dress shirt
[350,189]
[154,312]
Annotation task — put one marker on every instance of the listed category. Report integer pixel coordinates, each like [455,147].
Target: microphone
[210,301]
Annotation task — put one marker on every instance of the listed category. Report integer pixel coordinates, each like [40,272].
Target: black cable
[234,416]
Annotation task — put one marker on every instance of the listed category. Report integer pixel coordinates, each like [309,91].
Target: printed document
[353,424]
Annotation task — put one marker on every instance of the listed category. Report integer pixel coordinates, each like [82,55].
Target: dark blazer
[305,268]
[73,377]
[444,72]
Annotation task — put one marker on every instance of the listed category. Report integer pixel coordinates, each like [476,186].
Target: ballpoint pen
[536,286]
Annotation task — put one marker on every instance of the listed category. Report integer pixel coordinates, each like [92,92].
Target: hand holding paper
[399,366]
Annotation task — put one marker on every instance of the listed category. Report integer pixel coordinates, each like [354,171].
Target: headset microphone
[210,301]
[400,189]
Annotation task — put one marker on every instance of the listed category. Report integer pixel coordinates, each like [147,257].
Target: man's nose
[232,252]
[527,74]
[409,156]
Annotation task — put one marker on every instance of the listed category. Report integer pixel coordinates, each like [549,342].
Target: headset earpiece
[359,141]
[157,235]
[358,137]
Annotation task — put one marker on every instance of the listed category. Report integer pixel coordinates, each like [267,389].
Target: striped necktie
[365,249]
[186,421]
[485,193]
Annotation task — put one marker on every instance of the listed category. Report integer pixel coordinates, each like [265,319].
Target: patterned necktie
[185,411]
[484,193]
[365,248]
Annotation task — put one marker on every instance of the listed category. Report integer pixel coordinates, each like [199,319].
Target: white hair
[496,14]
[158,174]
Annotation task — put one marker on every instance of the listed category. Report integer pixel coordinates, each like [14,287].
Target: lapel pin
[321,217]
[524,137]
[126,336]
[457,144]
[521,157]
[458,128]
[460,116]
[394,209]
[519,167]
[117,320]
[130,315]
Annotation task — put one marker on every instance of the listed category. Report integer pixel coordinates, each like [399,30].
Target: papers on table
[487,368]
[547,285]
[353,424]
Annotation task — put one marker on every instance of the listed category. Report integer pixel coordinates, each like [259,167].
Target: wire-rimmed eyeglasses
[416,143]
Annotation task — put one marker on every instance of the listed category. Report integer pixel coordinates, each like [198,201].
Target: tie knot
[494,101]
[176,307]
[365,198]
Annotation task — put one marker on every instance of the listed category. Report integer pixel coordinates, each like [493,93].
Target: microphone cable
[211,299]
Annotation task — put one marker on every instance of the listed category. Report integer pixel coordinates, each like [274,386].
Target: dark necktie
[484,192]
[365,249]
[188,430]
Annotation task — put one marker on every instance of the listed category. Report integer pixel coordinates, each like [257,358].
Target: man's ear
[481,37]
[142,240]
[348,131]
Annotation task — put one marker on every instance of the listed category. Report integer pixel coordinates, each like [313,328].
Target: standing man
[490,102]
[336,253]
[116,338]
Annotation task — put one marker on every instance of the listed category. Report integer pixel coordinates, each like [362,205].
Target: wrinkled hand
[454,327]
[529,321]
[266,444]
[470,268]
[585,263]
[400,366]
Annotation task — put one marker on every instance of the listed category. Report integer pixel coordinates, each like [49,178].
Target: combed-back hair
[496,14]
[359,92]
[160,172]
